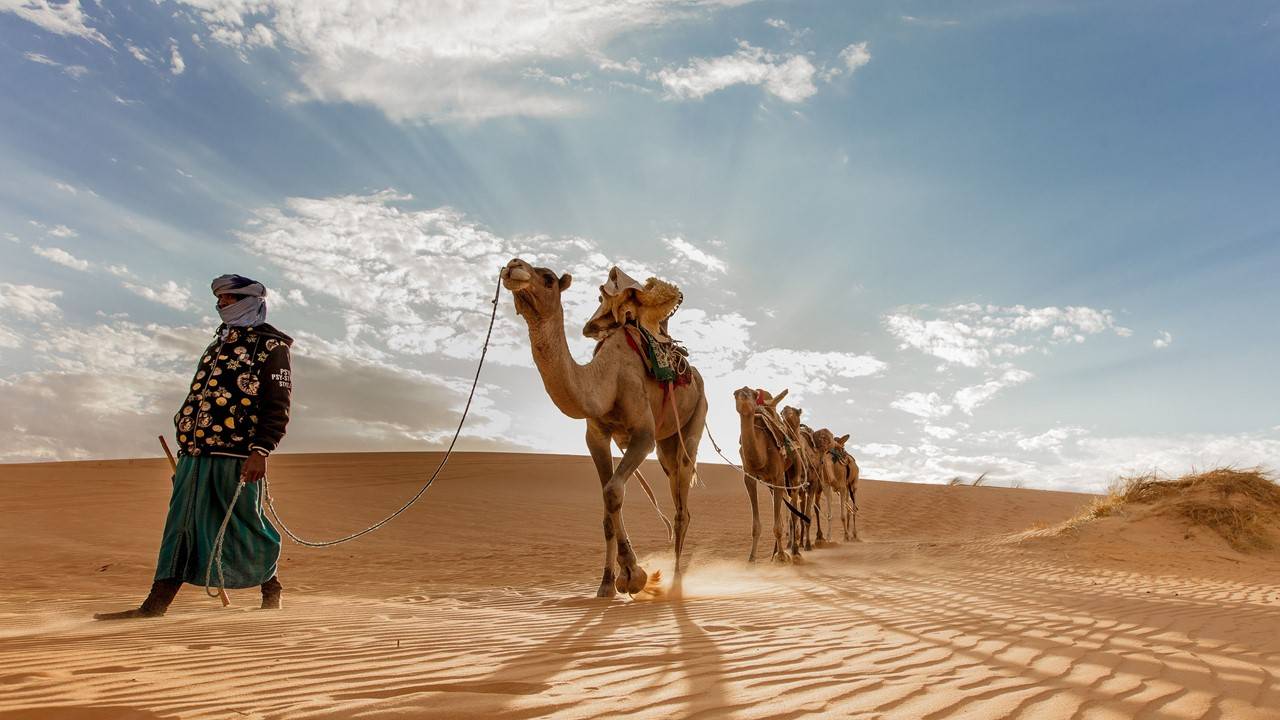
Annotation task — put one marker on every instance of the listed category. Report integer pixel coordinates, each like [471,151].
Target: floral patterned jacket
[238,400]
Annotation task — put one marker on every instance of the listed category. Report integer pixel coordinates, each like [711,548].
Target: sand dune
[477,604]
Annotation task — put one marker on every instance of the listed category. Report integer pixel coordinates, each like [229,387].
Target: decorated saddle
[666,362]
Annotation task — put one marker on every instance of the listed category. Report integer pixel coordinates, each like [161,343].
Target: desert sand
[962,602]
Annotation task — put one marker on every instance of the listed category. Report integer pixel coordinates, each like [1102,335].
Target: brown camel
[810,480]
[762,458]
[621,403]
[840,473]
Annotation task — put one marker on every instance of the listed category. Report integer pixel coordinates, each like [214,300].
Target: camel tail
[644,484]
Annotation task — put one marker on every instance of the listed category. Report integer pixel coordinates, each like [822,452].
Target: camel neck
[753,454]
[564,379]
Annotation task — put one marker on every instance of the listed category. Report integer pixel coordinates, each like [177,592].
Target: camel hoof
[797,559]
[631,580]
[606,590]
[782,557]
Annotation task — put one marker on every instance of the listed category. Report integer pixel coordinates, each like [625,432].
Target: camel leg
[817,511]
[679,462]
[779,548]
[830,525]
[796,524]
[631,579]
[853,510]
[755,516]
[598,445]
[808,527]
[844,511]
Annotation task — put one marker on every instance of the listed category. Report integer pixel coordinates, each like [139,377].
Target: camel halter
[215,561]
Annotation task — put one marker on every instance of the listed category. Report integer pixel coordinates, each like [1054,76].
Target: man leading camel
[234,416]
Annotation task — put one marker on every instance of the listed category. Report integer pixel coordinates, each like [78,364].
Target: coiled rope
[215,561]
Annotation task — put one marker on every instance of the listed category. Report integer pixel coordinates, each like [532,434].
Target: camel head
[536,290]
[823,440]
[791,415]
[748,399]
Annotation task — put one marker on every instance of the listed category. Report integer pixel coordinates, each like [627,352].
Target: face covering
[250,310]
[245,312]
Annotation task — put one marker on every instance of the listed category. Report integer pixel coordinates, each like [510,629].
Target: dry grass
[1242,506]
[957,481]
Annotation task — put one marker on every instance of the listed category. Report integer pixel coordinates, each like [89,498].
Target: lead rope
[216,560]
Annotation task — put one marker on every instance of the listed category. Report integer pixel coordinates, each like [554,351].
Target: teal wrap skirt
[202,491]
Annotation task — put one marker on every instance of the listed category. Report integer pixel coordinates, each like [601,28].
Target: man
[234,416]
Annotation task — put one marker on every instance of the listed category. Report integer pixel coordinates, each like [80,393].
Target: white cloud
[460,61]
[36,57]
[176,64]
[62,231]
[855,56]
[794,34]
[807,372]
[929,22]
[925,405]
[942,433]
[970,398]
[1050,440]
[169,294]
[9,338]
[879,449]
[61,18]
[61,257]
[75,71]
[29,301]
[788,77]
[688,251]
[979,335]
[138,53]
[1163,340]
[850,59]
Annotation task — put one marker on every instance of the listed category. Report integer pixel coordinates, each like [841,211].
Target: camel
[763,459]
[840,472]
[811,477]
[621,403]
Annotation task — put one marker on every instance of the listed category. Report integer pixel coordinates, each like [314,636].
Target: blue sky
[1032,239]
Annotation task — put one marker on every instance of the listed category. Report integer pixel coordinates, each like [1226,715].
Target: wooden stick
[172,463]
[222,593]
